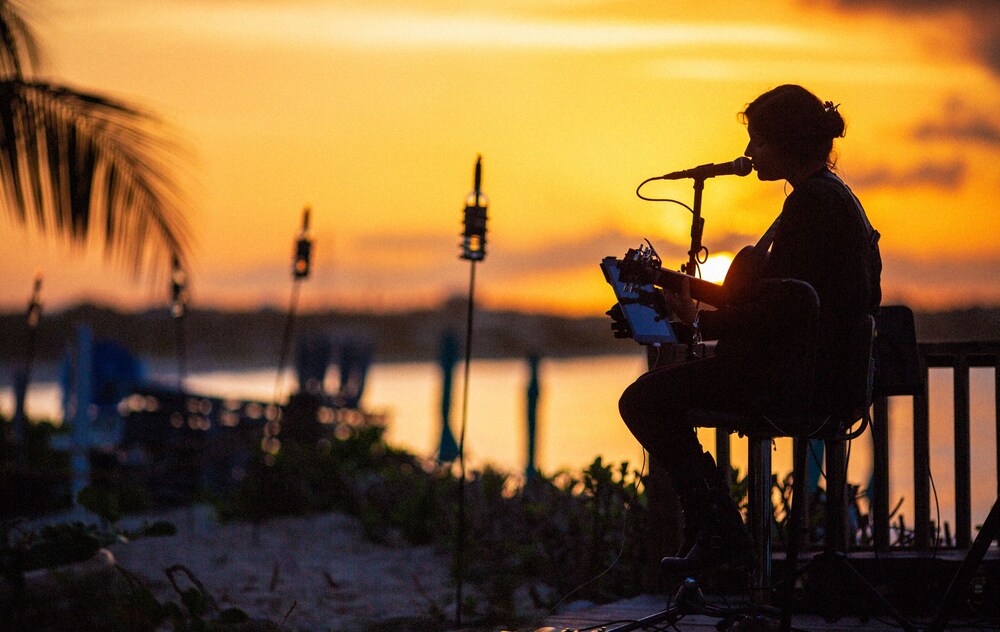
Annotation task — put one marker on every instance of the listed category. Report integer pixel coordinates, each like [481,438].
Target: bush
[550,535]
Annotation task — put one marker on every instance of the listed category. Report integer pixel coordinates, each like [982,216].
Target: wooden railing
[960,357]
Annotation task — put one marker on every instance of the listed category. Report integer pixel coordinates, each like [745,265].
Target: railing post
[921,462]
[761,512]
[963,465]
[880,474]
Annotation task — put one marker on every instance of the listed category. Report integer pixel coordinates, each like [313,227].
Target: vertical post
[534,391]
[880,474]
[83,394]
[963,474]
[22,376]
[921,462]
[761,513]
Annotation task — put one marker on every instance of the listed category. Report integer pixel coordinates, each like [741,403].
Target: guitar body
[745,270]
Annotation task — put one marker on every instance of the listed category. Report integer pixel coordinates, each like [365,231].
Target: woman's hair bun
[832,122]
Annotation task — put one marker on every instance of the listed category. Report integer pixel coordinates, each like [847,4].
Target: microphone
[739,167]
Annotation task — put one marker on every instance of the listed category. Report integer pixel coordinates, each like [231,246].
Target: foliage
[566,535]
[74,541]
[80,165]
[549,536]
[36,480]
[94,597]
[198,612]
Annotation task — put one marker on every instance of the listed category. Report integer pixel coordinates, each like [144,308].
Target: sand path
[321,564]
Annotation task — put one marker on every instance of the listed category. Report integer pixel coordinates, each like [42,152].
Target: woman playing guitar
[824,241]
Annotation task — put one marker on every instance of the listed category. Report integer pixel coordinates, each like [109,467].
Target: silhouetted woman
[767,343]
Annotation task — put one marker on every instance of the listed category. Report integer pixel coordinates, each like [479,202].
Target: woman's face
[768,162]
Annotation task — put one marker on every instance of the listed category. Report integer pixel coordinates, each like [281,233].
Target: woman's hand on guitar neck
[681,303]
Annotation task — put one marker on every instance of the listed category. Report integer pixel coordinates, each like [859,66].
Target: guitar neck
[701,290]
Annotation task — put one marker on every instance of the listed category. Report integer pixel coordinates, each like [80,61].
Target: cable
[649,199]
[937,509]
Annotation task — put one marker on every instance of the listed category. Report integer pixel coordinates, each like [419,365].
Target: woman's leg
[655,409]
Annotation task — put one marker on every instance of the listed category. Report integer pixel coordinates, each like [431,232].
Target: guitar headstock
[639,266]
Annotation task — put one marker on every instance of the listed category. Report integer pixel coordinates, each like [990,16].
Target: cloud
[962,124]
[947,174]
[958,128]
[935,283]
[406,26]
[983,17]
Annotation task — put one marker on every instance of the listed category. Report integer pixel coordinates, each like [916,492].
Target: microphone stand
[697,229]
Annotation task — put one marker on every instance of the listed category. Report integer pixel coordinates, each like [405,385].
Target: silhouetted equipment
[178,289]
[300,271]
[178,309]
[989,532]
[473,249]
[476,203]
[303,248]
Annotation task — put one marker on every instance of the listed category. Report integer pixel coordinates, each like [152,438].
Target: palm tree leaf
[19,50]
[84,166]
[11,151]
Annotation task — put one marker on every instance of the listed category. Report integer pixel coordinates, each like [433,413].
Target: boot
[714,532]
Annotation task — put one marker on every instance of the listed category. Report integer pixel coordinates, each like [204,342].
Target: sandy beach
[312,573]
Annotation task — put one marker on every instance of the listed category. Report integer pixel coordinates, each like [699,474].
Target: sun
[716,266]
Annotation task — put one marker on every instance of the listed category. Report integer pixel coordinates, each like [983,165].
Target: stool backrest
[897,361]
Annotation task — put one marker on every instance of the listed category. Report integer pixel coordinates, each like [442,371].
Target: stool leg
[836,498]
[761,514]
[796,529]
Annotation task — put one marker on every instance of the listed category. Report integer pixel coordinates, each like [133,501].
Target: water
[578,419]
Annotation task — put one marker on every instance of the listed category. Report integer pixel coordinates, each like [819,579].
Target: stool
[760,431]
[891,370]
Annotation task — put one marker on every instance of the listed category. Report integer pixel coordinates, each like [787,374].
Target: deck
[609,616]
[832,599]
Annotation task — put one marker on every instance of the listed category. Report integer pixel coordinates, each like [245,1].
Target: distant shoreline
[252,339]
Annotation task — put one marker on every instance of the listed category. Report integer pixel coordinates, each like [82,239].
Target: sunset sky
[373,112]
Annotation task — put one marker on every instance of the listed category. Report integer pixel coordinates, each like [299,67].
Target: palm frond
[85,166]
[19,50]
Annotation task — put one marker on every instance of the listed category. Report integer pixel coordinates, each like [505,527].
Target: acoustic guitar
[641,266]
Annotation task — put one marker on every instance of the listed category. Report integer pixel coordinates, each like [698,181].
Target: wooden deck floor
[913,582]
[605,618]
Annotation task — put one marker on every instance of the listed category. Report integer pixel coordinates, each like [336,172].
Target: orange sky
[373,112]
